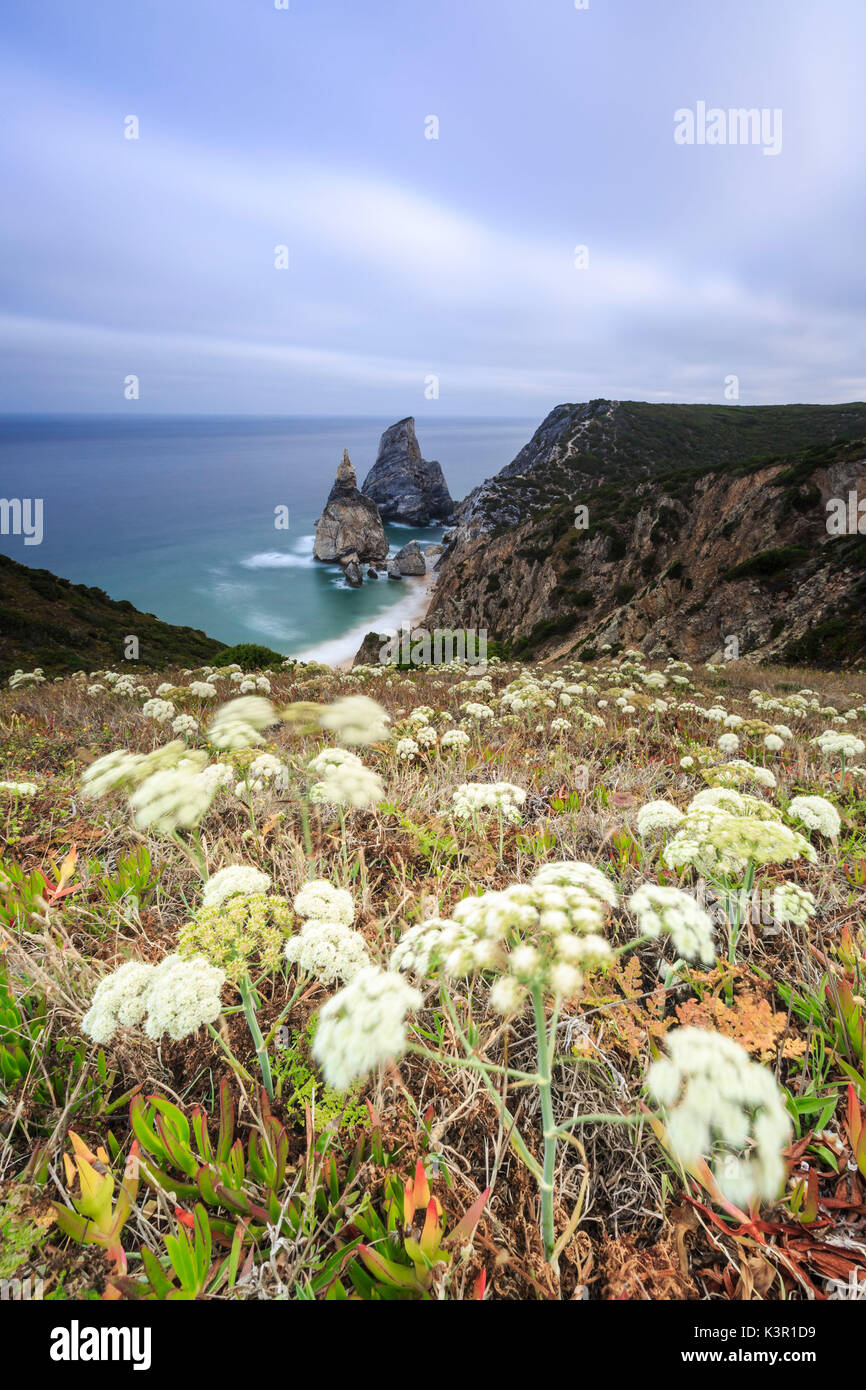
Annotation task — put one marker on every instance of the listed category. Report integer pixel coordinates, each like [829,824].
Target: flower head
[173,799]
[118,1002]
[670,910]
[239,723]
[356,720]
[816,813]
[657,815]
[501,797]
[322,900]
[719,1102]
[238,931]
[791,903]
[363,1025]
[240,879]
[182,996]
[329,950]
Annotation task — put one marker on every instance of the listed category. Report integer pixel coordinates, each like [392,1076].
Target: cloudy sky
[412,258]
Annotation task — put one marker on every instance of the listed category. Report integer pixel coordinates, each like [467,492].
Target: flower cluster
[238,931]
[19,788]
[846,745]
[173,799]
[791,903]
[344,780]
[363,1025]
[502,797]
[670,910]
[657,815]
[175,997]
[356,720]
[737,773]
[322,900]
[540,935]
[329,950]
[816,813]
[719,1102]
[240,879]
[239,723]
[718,844]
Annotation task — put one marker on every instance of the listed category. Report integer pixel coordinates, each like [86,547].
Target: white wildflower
[363,1025]
[173,799]
[816,813]
[670,910]
[320,899]
[791,903]
[240,879]
[356,720]
[657,815]
[329,950]
[721,1104]
[183,995]
[239,723]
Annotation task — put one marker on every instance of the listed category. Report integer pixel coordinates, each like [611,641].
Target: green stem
[736,919]
[631,945]
[278,1021]
[474,1064]
[308,839]
[548,1232]
[245,986]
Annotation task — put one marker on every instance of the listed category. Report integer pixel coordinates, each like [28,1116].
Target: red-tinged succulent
[404,1256]
[95,1219]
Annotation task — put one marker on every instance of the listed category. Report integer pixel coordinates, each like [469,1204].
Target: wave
[279,559]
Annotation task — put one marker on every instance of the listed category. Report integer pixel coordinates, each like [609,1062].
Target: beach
[410,607]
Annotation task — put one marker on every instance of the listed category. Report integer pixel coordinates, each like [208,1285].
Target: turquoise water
[177,514]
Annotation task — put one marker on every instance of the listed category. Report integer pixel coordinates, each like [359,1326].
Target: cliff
[655,527]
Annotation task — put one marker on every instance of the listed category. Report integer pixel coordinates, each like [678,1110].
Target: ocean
[177,515]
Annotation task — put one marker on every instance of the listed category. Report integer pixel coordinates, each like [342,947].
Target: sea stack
[404,486]
[350,529]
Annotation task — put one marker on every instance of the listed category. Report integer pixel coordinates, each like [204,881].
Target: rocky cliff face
[674,560]
[350,526]
[404,486]
[577,448]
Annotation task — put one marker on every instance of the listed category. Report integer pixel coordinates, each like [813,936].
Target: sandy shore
[410,606]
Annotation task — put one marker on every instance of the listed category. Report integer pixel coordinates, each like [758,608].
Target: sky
[425,274]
